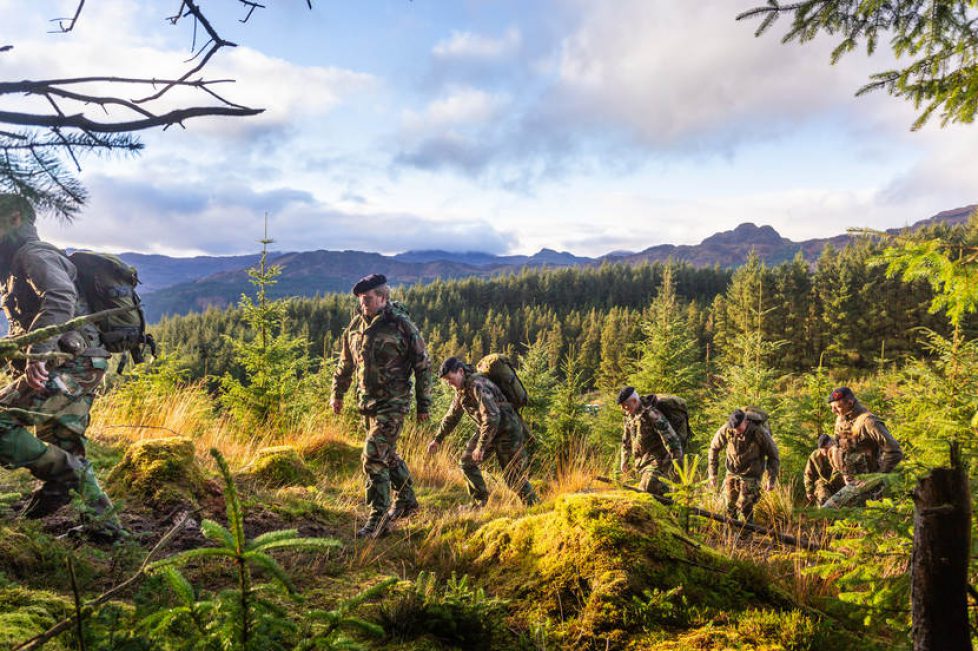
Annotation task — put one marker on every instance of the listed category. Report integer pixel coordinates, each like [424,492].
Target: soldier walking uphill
[822,481]
[650,439]
[383,349]
[750,451]
[865,446]
[51,394]
[500,431]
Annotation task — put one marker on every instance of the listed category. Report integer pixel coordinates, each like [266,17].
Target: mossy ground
[605,570]
[159,473]
[280,466]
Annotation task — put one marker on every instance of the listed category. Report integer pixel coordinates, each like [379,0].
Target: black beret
[365,284]
[842,393]
[824,440]
[625,394]
[736,418]
[450,365]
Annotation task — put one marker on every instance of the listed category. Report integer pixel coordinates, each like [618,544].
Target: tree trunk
[939,563]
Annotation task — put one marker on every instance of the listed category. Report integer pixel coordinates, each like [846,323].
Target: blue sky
[500,126]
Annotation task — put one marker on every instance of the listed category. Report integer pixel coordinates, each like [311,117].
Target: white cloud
[466,45]
[678,74]
[459,107]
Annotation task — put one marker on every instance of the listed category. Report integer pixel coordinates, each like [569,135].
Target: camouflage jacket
[649,438]
[865,445]
[38,284]
[383,353]
[748,454]
[819,466]
[480,398]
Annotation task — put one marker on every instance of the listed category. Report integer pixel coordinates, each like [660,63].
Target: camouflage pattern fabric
[857,493]
[648,437]
[741,494]
[59,413]
[822,481]
[749,454]
[865,445]
[383,467]
[383,353]
[500,432]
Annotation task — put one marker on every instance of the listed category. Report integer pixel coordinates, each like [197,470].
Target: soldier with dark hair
[865,446]
[649,439]
[499,431]
[750,452]
[383,349]
[53,389]
[822,481]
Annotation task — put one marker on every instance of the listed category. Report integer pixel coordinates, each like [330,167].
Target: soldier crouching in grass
[500,431]
[53,389]
[384,349]
[865,446]
[649,439]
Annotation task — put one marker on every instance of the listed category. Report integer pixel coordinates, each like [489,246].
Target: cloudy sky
[495,125]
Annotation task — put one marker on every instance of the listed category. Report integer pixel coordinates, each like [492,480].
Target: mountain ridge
[310,273]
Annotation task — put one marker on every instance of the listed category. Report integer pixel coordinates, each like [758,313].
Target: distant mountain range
[181,285]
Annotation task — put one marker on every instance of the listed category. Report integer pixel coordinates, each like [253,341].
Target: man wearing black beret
[382,348]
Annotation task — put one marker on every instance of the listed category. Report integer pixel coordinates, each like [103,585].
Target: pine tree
[272,360]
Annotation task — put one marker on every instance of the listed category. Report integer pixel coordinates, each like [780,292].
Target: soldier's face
[630,406]
[371,303]
[841,407]
[455,378]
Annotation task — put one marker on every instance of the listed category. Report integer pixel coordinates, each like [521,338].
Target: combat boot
[59,472]
[403,511]
[375,528]
[101,522]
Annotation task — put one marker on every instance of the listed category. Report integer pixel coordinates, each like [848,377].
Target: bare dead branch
[79,121]
[6,48]
[64,29]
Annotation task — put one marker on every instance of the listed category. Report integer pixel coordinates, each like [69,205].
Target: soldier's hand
[770,485]
[624,467]
[337,405]
[36,374]
[713,483]
[477,456]
[433,446]
[423,417]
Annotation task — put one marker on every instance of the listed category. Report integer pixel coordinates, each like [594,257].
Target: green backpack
[675,411]
[107,283]
[500,370]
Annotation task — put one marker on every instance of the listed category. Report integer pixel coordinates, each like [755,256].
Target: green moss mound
[26,613]
[610,567]
[336,456]
[158,473]
[280,466]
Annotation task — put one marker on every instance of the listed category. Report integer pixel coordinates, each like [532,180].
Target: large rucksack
[108,283]
[500,370]
[675,411]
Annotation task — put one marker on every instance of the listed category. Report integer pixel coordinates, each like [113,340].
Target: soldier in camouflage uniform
[53,388]
[865,446]
[500,431]
[750,451]
[822,481]
[383,348]
[650,439]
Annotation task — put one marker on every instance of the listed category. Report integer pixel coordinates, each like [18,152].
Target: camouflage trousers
[825,489]
[383,468]
[511,453]
[651,476]
[741,494]
[856,495]
[58,413]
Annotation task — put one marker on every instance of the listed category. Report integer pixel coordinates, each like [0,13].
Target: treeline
[841,310]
